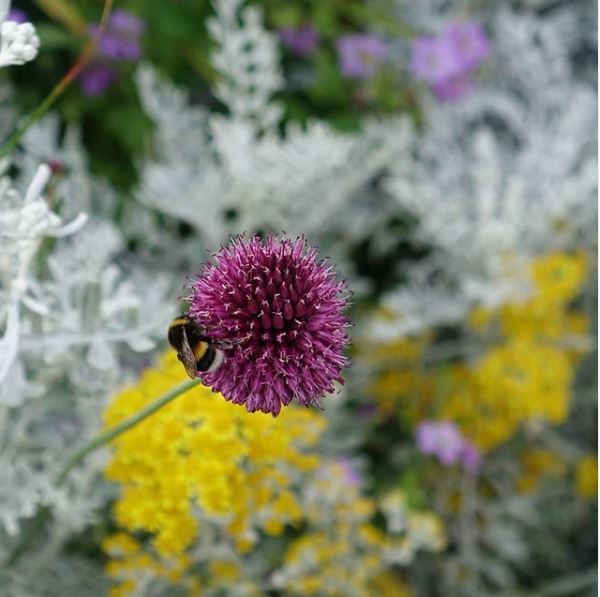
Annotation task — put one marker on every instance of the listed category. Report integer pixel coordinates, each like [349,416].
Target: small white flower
[19,42]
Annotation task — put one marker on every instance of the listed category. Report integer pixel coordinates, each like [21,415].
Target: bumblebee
[196,351]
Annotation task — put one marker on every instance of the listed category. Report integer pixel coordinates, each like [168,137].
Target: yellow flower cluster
[202,453]
[135,568]
[343,553]
[586,477]
[538,464]
[403,387]
[528,375]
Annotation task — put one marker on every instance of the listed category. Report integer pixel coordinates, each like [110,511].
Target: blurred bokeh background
[442,155]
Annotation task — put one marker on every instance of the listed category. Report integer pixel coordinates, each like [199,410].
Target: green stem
[110,434]
[98,442]
[59,88]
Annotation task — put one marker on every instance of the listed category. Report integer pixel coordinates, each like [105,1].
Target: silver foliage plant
[494,181]
[505,175]
[207,164]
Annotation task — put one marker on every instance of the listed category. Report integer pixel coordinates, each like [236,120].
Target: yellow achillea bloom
[538,464]
[529,374]
[512,383]
[342,552]
[389,585]
[525,373]
[586,477]
[199,451]
[403,387]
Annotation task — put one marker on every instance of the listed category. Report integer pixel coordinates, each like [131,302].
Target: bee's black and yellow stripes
[194,349]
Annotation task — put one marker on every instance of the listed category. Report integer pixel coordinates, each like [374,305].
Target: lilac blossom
[97,78]
[301,41]
[119,42]
[471,457]
[17,16]
[276,310]
[434,59]
[453,89]
[348,470]
[471,43]
[361,55]
[448,60]
[444,440]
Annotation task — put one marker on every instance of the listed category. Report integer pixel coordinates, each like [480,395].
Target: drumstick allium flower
[277,310]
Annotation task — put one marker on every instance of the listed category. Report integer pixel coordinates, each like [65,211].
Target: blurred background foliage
[444,346]
[176,42]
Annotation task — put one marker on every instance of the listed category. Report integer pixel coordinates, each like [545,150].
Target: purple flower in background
[120,40]
[301,41]
[341,469]
[277,312]
[96,78]
[444,440]
[361,55]
[434,59]
[441,439]
[17,16]
[471,457]
[349,471]
[447,61]
[471,43]
[453,89]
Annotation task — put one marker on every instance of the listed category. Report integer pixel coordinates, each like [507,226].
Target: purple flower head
[434,59]
[301,41]
[441,439]
[125,22]
[447,62]
[348,471]
[444,440]
[453,89]
[470,42]
[471,457]
[341,470]
[96,78]
[120,40]
[277,311]
[361,55]
[17,16]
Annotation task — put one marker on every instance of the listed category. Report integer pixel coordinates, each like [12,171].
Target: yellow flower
[558,276]
[403,386]
[537,464]
[586,477]
[511,383]
[200,451]
[389,584]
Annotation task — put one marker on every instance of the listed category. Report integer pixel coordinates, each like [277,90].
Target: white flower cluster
[19,42]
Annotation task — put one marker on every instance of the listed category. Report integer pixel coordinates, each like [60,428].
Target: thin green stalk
[98,442]
[60,87]
[110,434]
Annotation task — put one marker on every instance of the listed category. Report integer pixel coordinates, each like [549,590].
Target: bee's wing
[186,355]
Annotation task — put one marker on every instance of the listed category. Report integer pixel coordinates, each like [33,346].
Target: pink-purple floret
[277,311]
[448,60]
[444,440]
[120,42]
[301,41]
